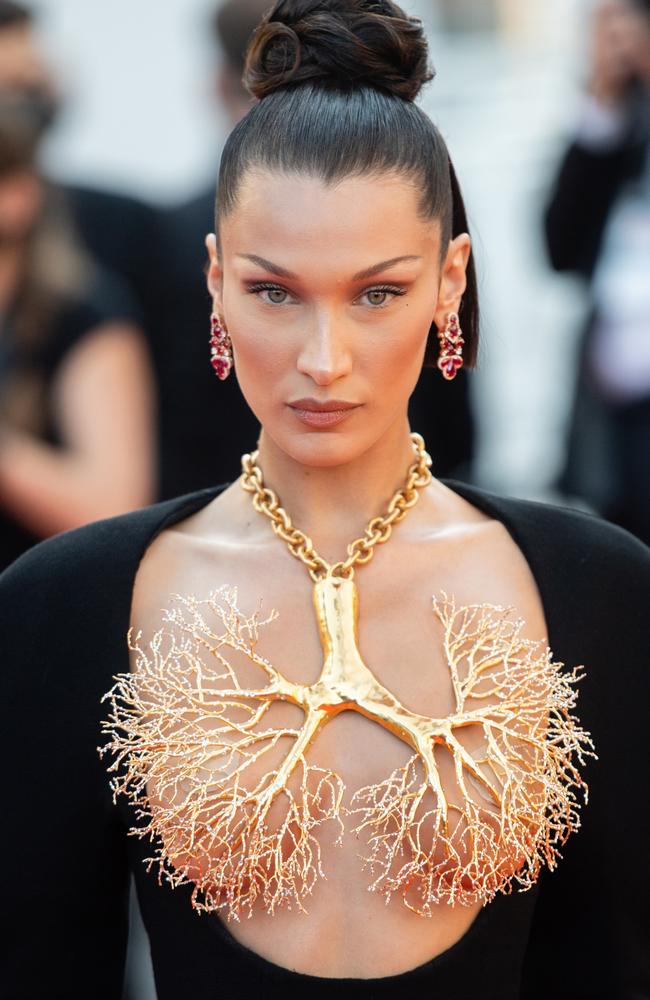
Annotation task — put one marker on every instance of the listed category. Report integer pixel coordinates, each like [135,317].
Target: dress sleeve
[590,936]
[107,300]
[65,879]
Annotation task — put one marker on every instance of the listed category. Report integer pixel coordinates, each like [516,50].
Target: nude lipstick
[322,414]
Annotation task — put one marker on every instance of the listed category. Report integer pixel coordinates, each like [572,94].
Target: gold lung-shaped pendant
[182,725]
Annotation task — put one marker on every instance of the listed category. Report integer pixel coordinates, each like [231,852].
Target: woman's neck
[333,505]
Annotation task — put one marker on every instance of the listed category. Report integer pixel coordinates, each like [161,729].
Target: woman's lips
[322,415]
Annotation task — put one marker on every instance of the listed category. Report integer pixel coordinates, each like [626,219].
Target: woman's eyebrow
[268,265]
[383,266]
[367,272]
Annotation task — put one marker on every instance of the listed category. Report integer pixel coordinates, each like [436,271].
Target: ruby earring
[220,348]
[451,347]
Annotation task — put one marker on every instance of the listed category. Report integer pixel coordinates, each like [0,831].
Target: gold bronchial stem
[347,683]
[185,735]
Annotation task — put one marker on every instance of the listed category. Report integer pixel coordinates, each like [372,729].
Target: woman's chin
[318,448]
[324,450]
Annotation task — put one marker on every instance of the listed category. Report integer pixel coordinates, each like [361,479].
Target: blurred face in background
[28,103]
[25,74]
[22,66]
[621,46]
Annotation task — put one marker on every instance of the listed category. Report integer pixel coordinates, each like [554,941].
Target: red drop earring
[220,348]
[451,347]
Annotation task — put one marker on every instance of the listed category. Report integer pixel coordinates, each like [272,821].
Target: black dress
[581,932]
[105,300]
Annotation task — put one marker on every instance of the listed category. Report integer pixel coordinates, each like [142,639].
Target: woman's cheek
[395,360]
[261,362]
[266,354]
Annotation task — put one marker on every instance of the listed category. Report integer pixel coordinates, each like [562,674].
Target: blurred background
[111,122]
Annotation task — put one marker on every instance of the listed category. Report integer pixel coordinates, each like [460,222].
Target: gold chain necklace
[361,549]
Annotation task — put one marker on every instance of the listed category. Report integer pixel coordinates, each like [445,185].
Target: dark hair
[336,82]
[12,14]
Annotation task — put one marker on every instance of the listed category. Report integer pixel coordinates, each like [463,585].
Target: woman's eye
[381,296]
[276,295]
[273,294]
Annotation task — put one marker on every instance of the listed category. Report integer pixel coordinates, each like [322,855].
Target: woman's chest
[289,725]
[403,740]
[304,755]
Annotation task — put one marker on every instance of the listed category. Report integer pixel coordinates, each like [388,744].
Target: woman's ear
[214,274]
[453,278]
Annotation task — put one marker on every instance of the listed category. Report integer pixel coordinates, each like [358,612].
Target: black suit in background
[607,443]
[119,231]
[205,424]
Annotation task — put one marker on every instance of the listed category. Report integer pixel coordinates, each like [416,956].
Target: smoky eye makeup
[282,295]
[259,286]
[255,287]
[396,290]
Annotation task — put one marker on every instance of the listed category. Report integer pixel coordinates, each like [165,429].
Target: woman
[283,764]
[75,380]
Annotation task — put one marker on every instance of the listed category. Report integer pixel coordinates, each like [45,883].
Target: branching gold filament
[184,736]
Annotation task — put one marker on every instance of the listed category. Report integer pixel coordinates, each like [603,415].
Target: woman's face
[328,293]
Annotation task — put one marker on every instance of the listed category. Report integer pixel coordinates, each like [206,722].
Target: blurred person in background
[196,451]
[76,394]
[117,229]
[598,225]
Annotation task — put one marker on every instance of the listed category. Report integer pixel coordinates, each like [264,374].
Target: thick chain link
[361,550]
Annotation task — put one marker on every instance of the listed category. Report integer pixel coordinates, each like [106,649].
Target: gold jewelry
[183,726]
[361,549]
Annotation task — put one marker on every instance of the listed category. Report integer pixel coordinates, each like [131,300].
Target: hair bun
[341,44]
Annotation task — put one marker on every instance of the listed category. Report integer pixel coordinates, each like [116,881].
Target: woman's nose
[325,355]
